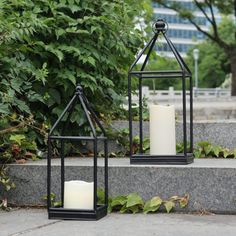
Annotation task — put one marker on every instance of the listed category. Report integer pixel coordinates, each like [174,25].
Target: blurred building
[181,32]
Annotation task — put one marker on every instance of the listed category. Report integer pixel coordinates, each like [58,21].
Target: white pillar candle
[162,130]
[78,195]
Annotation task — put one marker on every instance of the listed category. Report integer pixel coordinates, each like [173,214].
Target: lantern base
[73,214]
[145,159]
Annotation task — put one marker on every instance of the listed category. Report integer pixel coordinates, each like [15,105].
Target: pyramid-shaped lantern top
[93,121]
[160,28]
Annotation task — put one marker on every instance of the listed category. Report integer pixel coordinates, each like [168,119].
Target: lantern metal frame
[160,27]
[99,211]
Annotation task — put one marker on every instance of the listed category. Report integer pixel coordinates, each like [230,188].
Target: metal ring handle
[160,26]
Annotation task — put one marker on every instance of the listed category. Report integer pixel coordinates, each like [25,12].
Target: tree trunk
[233,71]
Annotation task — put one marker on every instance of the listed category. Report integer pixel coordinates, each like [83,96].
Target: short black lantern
[162,118]
[79,200]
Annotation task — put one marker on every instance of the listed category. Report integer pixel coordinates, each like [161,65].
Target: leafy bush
[47,47]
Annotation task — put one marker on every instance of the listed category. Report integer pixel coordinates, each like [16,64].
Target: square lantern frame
[99,210]
[160,27]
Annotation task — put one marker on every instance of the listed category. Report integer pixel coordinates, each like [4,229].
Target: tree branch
[203,11]
[235,19]
[214,37]
[214,25]
[12,128]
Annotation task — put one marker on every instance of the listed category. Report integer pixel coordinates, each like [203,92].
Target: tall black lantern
[139,75]
[58,135]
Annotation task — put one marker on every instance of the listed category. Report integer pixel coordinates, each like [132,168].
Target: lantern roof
[160,28]
[93,121]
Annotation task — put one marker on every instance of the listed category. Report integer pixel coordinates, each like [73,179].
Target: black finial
[79,89]
[159,26]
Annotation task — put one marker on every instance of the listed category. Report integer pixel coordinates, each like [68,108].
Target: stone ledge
[211,183]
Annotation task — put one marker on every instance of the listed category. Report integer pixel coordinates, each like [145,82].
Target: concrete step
[211,183]
[221,132]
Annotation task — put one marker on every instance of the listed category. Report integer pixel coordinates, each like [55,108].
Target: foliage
[122,139]
[206,149]
[214,64]
[47,47]
[54,202]
[133,203]
[224,37]
[202,149]
[6,185]
[18,139]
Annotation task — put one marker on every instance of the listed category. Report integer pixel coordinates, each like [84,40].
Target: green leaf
[55,95]
[203,144]
[133,199]
[197,153]
[152,205]
[226,153]
[169,205]
[156,201]
[18,138]
[4,109]
[101,196]
[208,149]
[91,61]
[234,152]
[183,202]
[22,105]
[216,150]
[59,32]
[119,201]
[55,51]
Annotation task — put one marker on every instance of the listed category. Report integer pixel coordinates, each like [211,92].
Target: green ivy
[5,185]
[133,203]
[206,149]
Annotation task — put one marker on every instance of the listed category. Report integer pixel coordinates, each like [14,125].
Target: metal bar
[94,115]
[181,59]
[87,115]
[75,137]
[70,111]
[49,174]
[157,72]
[175,52]
[130,115]
[62,170]
[62,114]
[141,53]
[106,172]
[183,62]
[139,155]
[161,76]
[184,115]
[95,176]
[140,117]
[141,96]
[191,113]
[149,51]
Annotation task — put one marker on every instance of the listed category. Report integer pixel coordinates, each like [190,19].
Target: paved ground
[34,222]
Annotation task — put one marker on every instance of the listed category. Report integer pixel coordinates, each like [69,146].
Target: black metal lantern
[139,75]
[96,211]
